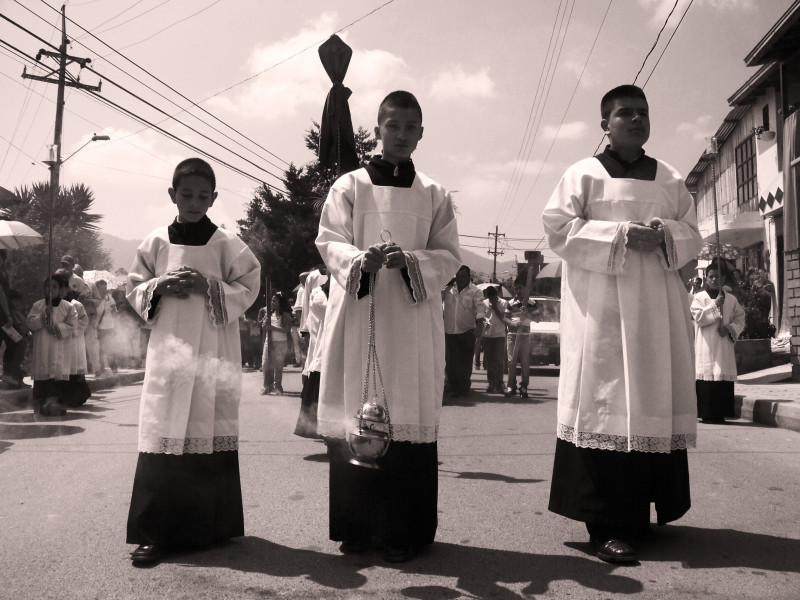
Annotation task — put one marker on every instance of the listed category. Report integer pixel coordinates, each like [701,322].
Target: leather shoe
[615,551]
[397,554]
[146,554]
[353,547]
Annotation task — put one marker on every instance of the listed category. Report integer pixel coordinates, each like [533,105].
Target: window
[746,182]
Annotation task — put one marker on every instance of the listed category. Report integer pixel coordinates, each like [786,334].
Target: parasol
[550,270]
[714,250]
[337,146]
[113,281]
[14,234]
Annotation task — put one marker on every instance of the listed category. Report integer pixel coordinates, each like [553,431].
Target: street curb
[16,399]
[773,413]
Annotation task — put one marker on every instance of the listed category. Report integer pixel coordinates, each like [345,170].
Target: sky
[510,93]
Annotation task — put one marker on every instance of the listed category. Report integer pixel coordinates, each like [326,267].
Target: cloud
[659,9]
[298,84]
[576,67]
[568,131]
[697,130]
[456,83]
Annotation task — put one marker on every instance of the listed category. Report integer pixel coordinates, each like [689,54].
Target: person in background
[78,391]
[718,321]
[106,322]
[463,316]
[12,367]
[494,337]
[52,321]
[300,341]
[254,344]
[20,324]
[309,398]
[279,323]
[518,317]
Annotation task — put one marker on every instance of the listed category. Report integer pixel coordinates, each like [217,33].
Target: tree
[74,232]
[280,229]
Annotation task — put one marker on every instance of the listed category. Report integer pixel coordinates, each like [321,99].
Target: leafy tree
[280,229]
[75,232]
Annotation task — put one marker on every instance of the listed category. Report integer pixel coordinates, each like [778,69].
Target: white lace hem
[180,446]
[716,377]
[621,443]
[619,246]
[421,434]
[217,312]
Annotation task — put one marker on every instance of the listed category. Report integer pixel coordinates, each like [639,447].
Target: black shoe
[510,392]
[397,554]
[146,554]
[523,392]
[615,551]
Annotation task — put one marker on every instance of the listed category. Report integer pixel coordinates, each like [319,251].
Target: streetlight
[55,172]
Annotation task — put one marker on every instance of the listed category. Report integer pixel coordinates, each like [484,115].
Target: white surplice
[627,350]
[315,323]
[51,356]
[192,385]
[714,355]
[78,349]
[409,328]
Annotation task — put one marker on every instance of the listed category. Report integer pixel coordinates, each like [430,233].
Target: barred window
[746,181]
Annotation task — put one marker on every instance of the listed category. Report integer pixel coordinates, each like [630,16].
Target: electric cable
[171,25]
[653,47]
[669,41]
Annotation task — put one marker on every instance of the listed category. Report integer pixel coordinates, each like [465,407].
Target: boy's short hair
[490,291]
[194,166]
[60,279]
[622,91]
[399,99]
[464,268]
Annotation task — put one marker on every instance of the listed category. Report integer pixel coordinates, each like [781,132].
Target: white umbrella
[552,270]
[502,290]
[14,234]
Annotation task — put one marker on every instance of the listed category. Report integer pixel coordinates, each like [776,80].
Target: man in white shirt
[463,313]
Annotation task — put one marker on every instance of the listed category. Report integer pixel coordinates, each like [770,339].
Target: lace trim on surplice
[422,434]
[716,377]
[189,445]
[217,312]
[147,299]
[621,443]
[671,259]
[354,279]
[415,276]
[619,245]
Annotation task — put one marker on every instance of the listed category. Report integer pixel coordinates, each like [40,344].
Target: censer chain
[373,365]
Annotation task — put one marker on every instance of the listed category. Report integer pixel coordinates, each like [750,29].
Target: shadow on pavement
[699,548]
[482,572]
[489,476]
[36,431]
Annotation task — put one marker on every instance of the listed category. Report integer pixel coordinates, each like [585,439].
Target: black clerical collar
[382,172]
[642,167]
[191,234]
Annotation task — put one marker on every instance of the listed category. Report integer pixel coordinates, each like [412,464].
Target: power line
[171,25]
[674,6]
[669,41]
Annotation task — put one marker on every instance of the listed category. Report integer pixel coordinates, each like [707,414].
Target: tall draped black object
[337,145]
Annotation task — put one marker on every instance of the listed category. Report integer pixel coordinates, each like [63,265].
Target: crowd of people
[629,386]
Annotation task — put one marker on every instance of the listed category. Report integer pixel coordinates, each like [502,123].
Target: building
[751,172]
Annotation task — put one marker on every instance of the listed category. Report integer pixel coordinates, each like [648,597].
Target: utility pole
[495,235]
[55,161]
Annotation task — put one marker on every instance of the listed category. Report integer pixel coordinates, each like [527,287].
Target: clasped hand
[181,282]
[645,237]
[377,256]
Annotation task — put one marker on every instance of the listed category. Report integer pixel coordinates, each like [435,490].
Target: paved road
[65,491]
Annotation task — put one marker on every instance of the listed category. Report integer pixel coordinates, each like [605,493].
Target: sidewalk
[769,397]
[16,399]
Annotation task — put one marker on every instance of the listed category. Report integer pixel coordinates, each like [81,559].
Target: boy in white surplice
[190,282]
[397,502]
[623,223]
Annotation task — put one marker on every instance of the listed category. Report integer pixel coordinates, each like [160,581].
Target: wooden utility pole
[63,59]
[495,252]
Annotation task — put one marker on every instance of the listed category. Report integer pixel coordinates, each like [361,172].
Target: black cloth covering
[186,500]
[714,400]
[615,489]
[643,168]
[309,398]
[396,503]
